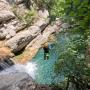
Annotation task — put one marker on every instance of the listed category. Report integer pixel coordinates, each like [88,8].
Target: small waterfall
[5,63]
[30,68]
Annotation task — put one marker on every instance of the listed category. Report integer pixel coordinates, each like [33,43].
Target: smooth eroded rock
[5,11]
[8,30]
[21,39]
[6,15]
[19,81]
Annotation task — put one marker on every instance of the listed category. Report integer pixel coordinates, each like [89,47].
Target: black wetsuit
[46,53]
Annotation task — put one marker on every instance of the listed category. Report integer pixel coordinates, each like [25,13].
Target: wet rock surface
[19,81]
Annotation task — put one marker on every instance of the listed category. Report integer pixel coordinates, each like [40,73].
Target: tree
[72,60]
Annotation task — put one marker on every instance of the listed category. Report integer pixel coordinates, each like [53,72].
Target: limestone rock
[19,81]
[4,5]
[20,40]
[5,11]
[43,13]
[42,23]
[6,15]
[9,29]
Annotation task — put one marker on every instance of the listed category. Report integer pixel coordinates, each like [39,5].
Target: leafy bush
[72,56]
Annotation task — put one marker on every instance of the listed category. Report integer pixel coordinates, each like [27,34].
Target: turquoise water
[45,68]
[45,72]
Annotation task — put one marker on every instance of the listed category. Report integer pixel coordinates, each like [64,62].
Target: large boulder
[43,13]
[42,23]
[19,81]
[6,15]
[5,11]
[14,81]
[21,39]
[10,29]
[7,31]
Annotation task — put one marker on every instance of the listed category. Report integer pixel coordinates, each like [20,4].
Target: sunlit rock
[20,40]
[42,23]
[5,51]
[6,15]
[5,11]
[43,13]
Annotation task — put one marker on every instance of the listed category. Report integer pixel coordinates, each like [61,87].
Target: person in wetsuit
[46,52]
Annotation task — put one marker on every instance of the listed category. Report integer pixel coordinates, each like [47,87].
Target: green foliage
[76,13]
[26,17]
[59,86]
[57,8]
[72,53]
[71,59]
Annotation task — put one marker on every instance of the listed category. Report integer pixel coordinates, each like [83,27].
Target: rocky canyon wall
[17,35]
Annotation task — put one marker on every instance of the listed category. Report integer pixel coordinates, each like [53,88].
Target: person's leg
[47,56]
[44,56]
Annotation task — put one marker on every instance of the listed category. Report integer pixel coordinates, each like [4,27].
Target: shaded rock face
[19,81]
[5,62]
